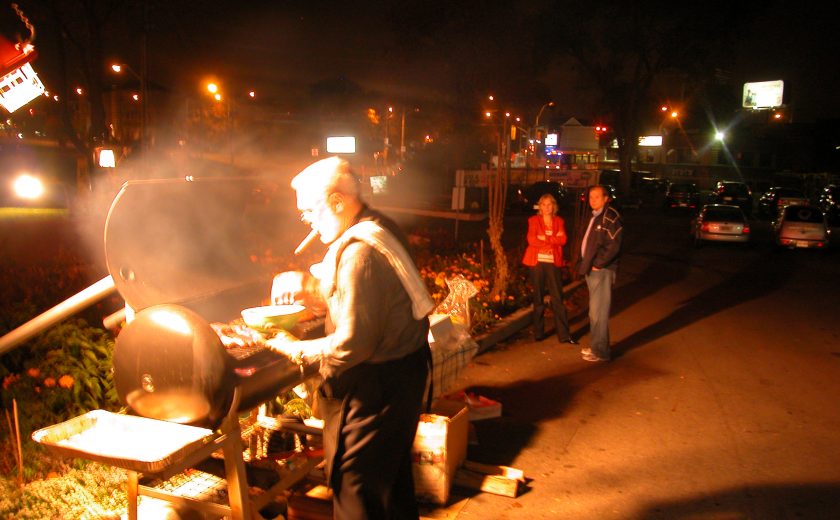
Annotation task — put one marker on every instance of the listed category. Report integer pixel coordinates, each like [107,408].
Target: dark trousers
[546,276]
[371,414]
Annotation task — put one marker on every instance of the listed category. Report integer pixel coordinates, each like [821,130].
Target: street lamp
[539,114]
[118,68]
[537,124]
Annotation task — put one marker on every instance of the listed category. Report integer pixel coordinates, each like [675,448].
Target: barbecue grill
[181,252]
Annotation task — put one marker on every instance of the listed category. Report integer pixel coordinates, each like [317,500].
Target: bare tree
[497,196]
[622,49]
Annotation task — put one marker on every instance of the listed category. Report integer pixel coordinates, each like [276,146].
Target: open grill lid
[197,242]
[184,253]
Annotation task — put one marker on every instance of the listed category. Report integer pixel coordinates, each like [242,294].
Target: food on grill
[237,334]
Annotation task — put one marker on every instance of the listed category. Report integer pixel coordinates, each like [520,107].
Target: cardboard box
[440,328]
[440,448]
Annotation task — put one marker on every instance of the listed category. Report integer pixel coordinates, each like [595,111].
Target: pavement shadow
[502,439]
[666,270]
[756,279]
[812,501]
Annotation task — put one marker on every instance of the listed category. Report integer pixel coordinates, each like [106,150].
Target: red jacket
[554,243]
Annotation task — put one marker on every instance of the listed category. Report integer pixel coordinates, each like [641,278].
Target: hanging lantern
[18,82]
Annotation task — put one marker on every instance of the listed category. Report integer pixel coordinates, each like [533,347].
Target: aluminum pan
[125,441]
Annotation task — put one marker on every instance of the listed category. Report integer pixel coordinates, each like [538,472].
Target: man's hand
[298,351]
[297,287]
[287,288]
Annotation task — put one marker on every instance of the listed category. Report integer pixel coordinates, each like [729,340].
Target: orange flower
[33,372]
[66,381]
[9,380]
[49,382]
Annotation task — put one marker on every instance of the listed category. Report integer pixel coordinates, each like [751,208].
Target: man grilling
[375,357]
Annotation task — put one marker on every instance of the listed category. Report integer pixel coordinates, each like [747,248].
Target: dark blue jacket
[603,246]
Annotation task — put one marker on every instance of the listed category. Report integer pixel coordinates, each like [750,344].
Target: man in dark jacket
[599,251]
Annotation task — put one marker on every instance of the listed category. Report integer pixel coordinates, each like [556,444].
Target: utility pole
[402,137]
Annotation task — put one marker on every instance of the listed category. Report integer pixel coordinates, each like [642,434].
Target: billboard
[763,94]
[341,144]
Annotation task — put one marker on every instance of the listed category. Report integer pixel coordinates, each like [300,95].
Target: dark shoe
[570,341]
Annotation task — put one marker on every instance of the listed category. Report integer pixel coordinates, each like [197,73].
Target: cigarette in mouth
[306,241]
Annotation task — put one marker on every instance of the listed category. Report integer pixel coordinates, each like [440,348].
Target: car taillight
[745,230]
[705,227]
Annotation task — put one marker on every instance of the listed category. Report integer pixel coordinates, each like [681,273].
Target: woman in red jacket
[544,255]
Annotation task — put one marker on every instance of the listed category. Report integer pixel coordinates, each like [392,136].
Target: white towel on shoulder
[387,244]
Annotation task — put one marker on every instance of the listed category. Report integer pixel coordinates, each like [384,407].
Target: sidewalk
[707,411]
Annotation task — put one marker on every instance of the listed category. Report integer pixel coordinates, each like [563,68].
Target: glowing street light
[212,88]
[720,135]
[28,187]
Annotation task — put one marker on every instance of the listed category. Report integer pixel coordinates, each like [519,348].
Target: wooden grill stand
[228,440]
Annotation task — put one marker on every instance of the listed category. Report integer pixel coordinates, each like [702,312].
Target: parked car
[533,192]
[778,197]
[734,193]
[682,196]
[800,225]
[653,185]
[524,199]
[829,203]
[720,223]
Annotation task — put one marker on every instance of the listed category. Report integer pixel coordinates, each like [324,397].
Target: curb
[515,322]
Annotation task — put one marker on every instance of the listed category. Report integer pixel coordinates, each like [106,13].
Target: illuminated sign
[763,94]
[551,140]
[107,159]
[342,144]
[379,184]
[650,140]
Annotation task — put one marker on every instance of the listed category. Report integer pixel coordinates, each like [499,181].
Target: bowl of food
[269,316]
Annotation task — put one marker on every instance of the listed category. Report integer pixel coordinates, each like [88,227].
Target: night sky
[429,50]
[422,49]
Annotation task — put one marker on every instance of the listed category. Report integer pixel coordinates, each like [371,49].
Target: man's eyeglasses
[306,214]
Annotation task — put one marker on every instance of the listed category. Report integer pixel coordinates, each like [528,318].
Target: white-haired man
[375,357]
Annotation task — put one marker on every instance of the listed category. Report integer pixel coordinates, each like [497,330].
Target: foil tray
[125,441]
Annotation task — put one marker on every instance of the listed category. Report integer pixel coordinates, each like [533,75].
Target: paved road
[721,402]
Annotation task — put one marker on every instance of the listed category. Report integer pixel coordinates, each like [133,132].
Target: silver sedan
[720,223]
[801,226]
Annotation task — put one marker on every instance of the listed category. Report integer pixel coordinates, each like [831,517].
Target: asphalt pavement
[720,402]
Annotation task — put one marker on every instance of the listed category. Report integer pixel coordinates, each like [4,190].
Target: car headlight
[28,187]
